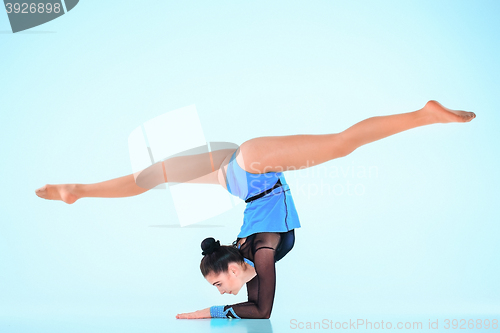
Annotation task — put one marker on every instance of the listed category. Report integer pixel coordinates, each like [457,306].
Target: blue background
[418,241]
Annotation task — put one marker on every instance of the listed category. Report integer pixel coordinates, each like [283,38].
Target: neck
[249,273]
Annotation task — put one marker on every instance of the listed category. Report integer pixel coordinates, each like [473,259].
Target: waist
[261,194]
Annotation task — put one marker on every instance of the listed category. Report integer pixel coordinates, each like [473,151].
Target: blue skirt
[273,212]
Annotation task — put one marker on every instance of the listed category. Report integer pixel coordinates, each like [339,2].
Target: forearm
[246,310]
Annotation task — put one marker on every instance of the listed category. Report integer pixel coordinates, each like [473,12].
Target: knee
[346,151]
[342,145]
[253,156]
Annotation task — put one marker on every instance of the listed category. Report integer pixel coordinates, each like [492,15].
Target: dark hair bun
[209,245]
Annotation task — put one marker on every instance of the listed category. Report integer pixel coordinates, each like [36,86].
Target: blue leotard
[274,212]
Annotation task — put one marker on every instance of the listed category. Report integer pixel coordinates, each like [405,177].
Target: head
[223,266]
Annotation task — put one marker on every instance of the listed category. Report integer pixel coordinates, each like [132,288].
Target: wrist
[217,311]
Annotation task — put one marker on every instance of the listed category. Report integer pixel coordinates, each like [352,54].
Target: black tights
[286,242]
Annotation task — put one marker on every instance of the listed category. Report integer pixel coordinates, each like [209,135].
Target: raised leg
[293,152]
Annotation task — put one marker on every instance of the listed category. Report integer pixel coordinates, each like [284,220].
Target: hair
[217,257]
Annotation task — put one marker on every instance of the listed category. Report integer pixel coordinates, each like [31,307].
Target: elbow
[265,315]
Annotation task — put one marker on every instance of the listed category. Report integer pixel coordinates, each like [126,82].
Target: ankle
[424,116]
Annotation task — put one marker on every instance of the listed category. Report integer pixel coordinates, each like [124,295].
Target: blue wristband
[217,311]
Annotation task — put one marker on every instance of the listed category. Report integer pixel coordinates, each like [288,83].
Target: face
[229,282]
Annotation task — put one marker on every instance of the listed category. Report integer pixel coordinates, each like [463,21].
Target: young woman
[254,172]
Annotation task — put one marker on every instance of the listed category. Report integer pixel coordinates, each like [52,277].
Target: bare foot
[64,192]
[444,115]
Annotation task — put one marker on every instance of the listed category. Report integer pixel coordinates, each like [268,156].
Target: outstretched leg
[259,155]
[293,152]
[198,168]
[115,188]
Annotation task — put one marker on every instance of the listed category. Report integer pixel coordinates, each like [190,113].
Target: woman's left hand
[205,313]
